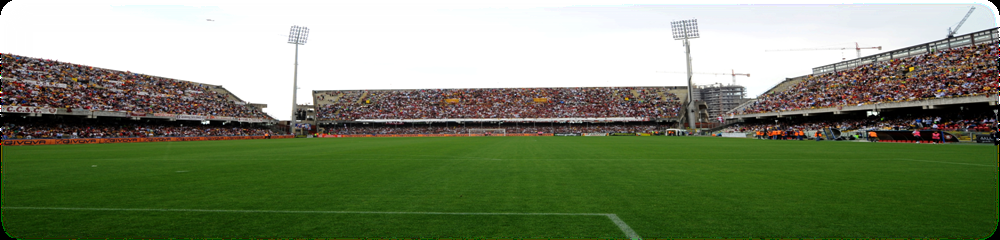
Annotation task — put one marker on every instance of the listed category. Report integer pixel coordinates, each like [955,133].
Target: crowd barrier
[734,135]
[431,135]
[907,136]
[33,142]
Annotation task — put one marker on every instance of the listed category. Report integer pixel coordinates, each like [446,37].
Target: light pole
[297,35]
[684,30]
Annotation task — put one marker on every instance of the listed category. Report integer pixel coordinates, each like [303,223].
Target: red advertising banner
[32,142]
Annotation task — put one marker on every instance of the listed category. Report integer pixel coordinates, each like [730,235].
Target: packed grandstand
[591,102]
[525,110]
[941,89]
[44,98]
[46,83]
[64,100]
[959,72]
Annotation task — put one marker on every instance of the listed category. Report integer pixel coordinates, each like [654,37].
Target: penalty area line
[614,218]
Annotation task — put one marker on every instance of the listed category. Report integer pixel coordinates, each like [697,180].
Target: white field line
[614,218]
[624,227]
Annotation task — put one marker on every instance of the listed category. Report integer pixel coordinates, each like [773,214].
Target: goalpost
[490,131]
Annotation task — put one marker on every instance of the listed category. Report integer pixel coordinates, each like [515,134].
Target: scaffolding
[722,98]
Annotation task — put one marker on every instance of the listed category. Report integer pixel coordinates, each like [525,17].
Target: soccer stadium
[892,145]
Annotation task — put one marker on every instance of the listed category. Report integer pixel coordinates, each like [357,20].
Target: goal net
[487,132]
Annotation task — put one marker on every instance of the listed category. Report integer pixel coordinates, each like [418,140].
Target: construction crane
[856,47]
[733,73]
[951,32]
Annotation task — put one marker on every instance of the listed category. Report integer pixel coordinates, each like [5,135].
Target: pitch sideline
[613,217]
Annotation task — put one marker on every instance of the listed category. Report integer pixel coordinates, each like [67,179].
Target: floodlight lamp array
[298,35]
[685,29]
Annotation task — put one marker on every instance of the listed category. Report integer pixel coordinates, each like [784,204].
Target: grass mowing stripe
[665,187]
[614,218]
[595,159]
[943,162]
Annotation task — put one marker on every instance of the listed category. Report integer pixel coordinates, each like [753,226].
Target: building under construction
[720,98]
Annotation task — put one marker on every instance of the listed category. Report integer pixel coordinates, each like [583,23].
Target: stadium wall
[33,142]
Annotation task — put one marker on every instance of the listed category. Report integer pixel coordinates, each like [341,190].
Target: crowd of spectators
[47,83]
[111,129]
[959,72]
[527,128]
[977,124]
[645,102]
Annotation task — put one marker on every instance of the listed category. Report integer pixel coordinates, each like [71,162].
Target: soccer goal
[487,132]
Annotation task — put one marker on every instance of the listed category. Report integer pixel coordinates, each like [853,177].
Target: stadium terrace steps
[787,84]
[362,97]
[743,105]
[229,95]
[337,98]
[680,93]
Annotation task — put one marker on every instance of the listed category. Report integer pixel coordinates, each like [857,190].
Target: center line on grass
[614,218]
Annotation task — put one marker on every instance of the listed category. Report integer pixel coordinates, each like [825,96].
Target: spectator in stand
[981,123]
[42,129]
[425,129]
[46,83]
[959,72]
[644,102]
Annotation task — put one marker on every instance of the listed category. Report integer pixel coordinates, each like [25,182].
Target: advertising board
[567,134]
[190,117]
[31,142]
[22,109]
[110,114]
[81,112]
[984,138]
[621,134]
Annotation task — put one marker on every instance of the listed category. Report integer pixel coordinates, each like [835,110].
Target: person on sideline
[872,136]
[996,138]
[916,134]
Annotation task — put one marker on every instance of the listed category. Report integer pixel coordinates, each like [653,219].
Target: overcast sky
[465,44]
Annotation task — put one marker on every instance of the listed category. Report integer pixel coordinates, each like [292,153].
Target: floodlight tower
[684,30]
[297,36]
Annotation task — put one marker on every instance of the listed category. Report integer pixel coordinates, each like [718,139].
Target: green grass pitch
[660,187]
